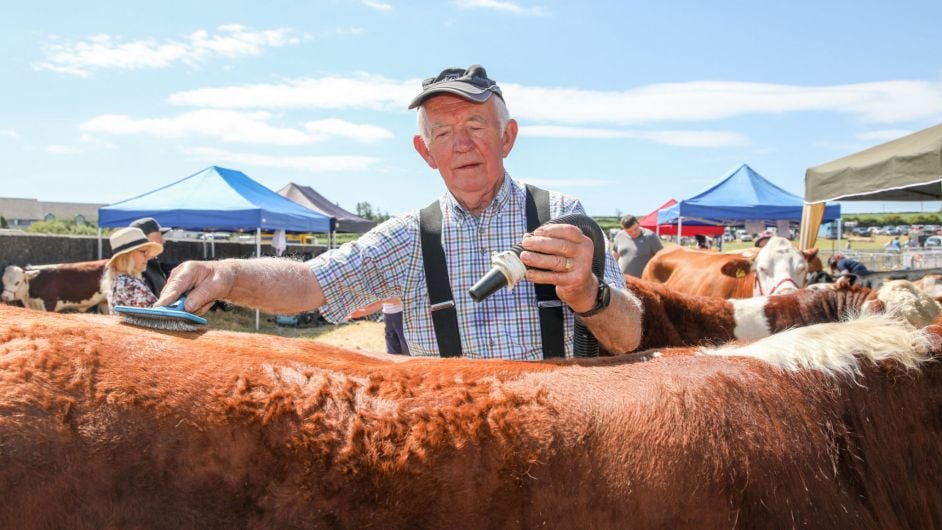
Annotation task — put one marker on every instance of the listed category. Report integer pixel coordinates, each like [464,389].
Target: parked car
[746,237]
[933,242]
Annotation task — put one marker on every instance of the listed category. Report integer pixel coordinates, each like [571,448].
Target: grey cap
[471,84]
[148,225]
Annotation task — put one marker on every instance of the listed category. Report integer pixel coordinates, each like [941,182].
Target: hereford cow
[103,425]
[777,268]
[60,287]
[671,318]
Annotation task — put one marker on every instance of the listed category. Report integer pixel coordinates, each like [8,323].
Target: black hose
[584,343]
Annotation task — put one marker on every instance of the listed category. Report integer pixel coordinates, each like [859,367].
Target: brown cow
[672,318]
[107,426]
[59,287]
[777,268]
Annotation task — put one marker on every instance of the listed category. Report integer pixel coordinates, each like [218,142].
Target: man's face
[156,237]
[466,147]
[634,230]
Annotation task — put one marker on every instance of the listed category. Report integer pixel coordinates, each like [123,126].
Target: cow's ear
[30,274]
[810,253]
[737,268]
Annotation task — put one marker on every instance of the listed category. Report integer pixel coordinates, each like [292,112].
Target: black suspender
[550,308]
[444,313]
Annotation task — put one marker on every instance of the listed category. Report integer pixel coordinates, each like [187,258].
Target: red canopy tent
[690,228]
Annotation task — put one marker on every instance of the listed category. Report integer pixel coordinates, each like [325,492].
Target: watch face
[605,294]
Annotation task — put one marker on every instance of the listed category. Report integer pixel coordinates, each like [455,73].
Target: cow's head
[781,268]
[16,283]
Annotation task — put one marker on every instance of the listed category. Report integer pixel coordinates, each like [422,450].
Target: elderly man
[465,133]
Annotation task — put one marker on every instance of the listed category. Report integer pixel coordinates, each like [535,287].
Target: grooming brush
[172,317]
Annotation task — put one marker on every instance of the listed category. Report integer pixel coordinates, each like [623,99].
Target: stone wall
[21,248]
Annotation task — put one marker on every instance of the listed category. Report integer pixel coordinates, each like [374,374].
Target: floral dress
[130,291]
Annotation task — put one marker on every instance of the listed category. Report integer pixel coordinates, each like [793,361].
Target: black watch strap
[602,300]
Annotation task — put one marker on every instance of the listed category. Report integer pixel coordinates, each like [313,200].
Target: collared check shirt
[386,262]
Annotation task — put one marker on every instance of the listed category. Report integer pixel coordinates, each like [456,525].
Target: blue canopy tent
[215,199]
[739,196]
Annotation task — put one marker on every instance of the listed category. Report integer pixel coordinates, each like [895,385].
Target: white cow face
[16,283]
[780,268]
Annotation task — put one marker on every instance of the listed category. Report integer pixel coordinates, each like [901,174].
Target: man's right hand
[203,282]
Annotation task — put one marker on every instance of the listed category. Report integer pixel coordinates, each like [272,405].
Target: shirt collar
[500,200]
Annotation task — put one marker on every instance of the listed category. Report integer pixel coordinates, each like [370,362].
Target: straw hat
[130,239]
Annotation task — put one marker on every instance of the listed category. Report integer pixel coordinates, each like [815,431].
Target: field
[362,335]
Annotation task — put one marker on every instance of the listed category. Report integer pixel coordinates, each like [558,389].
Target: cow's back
[104,425]
[698,272]
[69,286]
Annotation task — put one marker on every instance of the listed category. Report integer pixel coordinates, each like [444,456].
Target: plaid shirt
[386,262]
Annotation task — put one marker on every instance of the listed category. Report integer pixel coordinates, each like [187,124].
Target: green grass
[243,319]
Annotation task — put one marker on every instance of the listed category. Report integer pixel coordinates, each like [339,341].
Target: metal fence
[883,260]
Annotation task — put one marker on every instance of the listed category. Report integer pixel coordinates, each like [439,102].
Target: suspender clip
[448,304]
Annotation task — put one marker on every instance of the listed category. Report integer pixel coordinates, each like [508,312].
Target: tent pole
[680,228]
[99,242]
[258,254]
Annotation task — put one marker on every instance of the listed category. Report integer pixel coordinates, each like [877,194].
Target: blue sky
[622,104]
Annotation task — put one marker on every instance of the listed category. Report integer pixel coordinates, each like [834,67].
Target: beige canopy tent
[905,169]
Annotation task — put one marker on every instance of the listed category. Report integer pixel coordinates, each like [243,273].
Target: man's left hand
[564,254]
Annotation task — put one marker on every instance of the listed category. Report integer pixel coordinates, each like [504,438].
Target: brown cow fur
[107,426]
[673,318]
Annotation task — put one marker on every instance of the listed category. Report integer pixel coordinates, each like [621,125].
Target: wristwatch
[602,299]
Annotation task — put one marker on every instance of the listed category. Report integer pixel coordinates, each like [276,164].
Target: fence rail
[881,260]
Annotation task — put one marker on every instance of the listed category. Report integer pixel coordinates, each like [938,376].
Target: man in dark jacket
[841,265]
[154,275]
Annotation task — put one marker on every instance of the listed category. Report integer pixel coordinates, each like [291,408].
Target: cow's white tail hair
[834,348]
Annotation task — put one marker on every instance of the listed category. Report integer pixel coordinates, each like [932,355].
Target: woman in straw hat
[122,281]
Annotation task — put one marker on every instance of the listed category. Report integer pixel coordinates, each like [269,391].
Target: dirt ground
[358,336]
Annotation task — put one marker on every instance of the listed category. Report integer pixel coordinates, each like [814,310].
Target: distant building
[20,213]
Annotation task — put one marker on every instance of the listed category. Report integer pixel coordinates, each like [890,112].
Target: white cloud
[884,102]
[332,92]
[344,129]
[313,164]
[63,149]
[878,137]
[379,6]
[887,101]
[675,138]
[233,126]
[9,133]
[499,5]
[102,51]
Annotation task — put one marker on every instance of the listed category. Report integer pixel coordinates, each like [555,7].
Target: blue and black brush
[172,317]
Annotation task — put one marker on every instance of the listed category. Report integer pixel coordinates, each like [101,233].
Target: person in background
[392,318]
[841,265]
[122,281]
[763,238]
[465,133]
[154,274]
[893,245]
[634,246]
[702,242]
